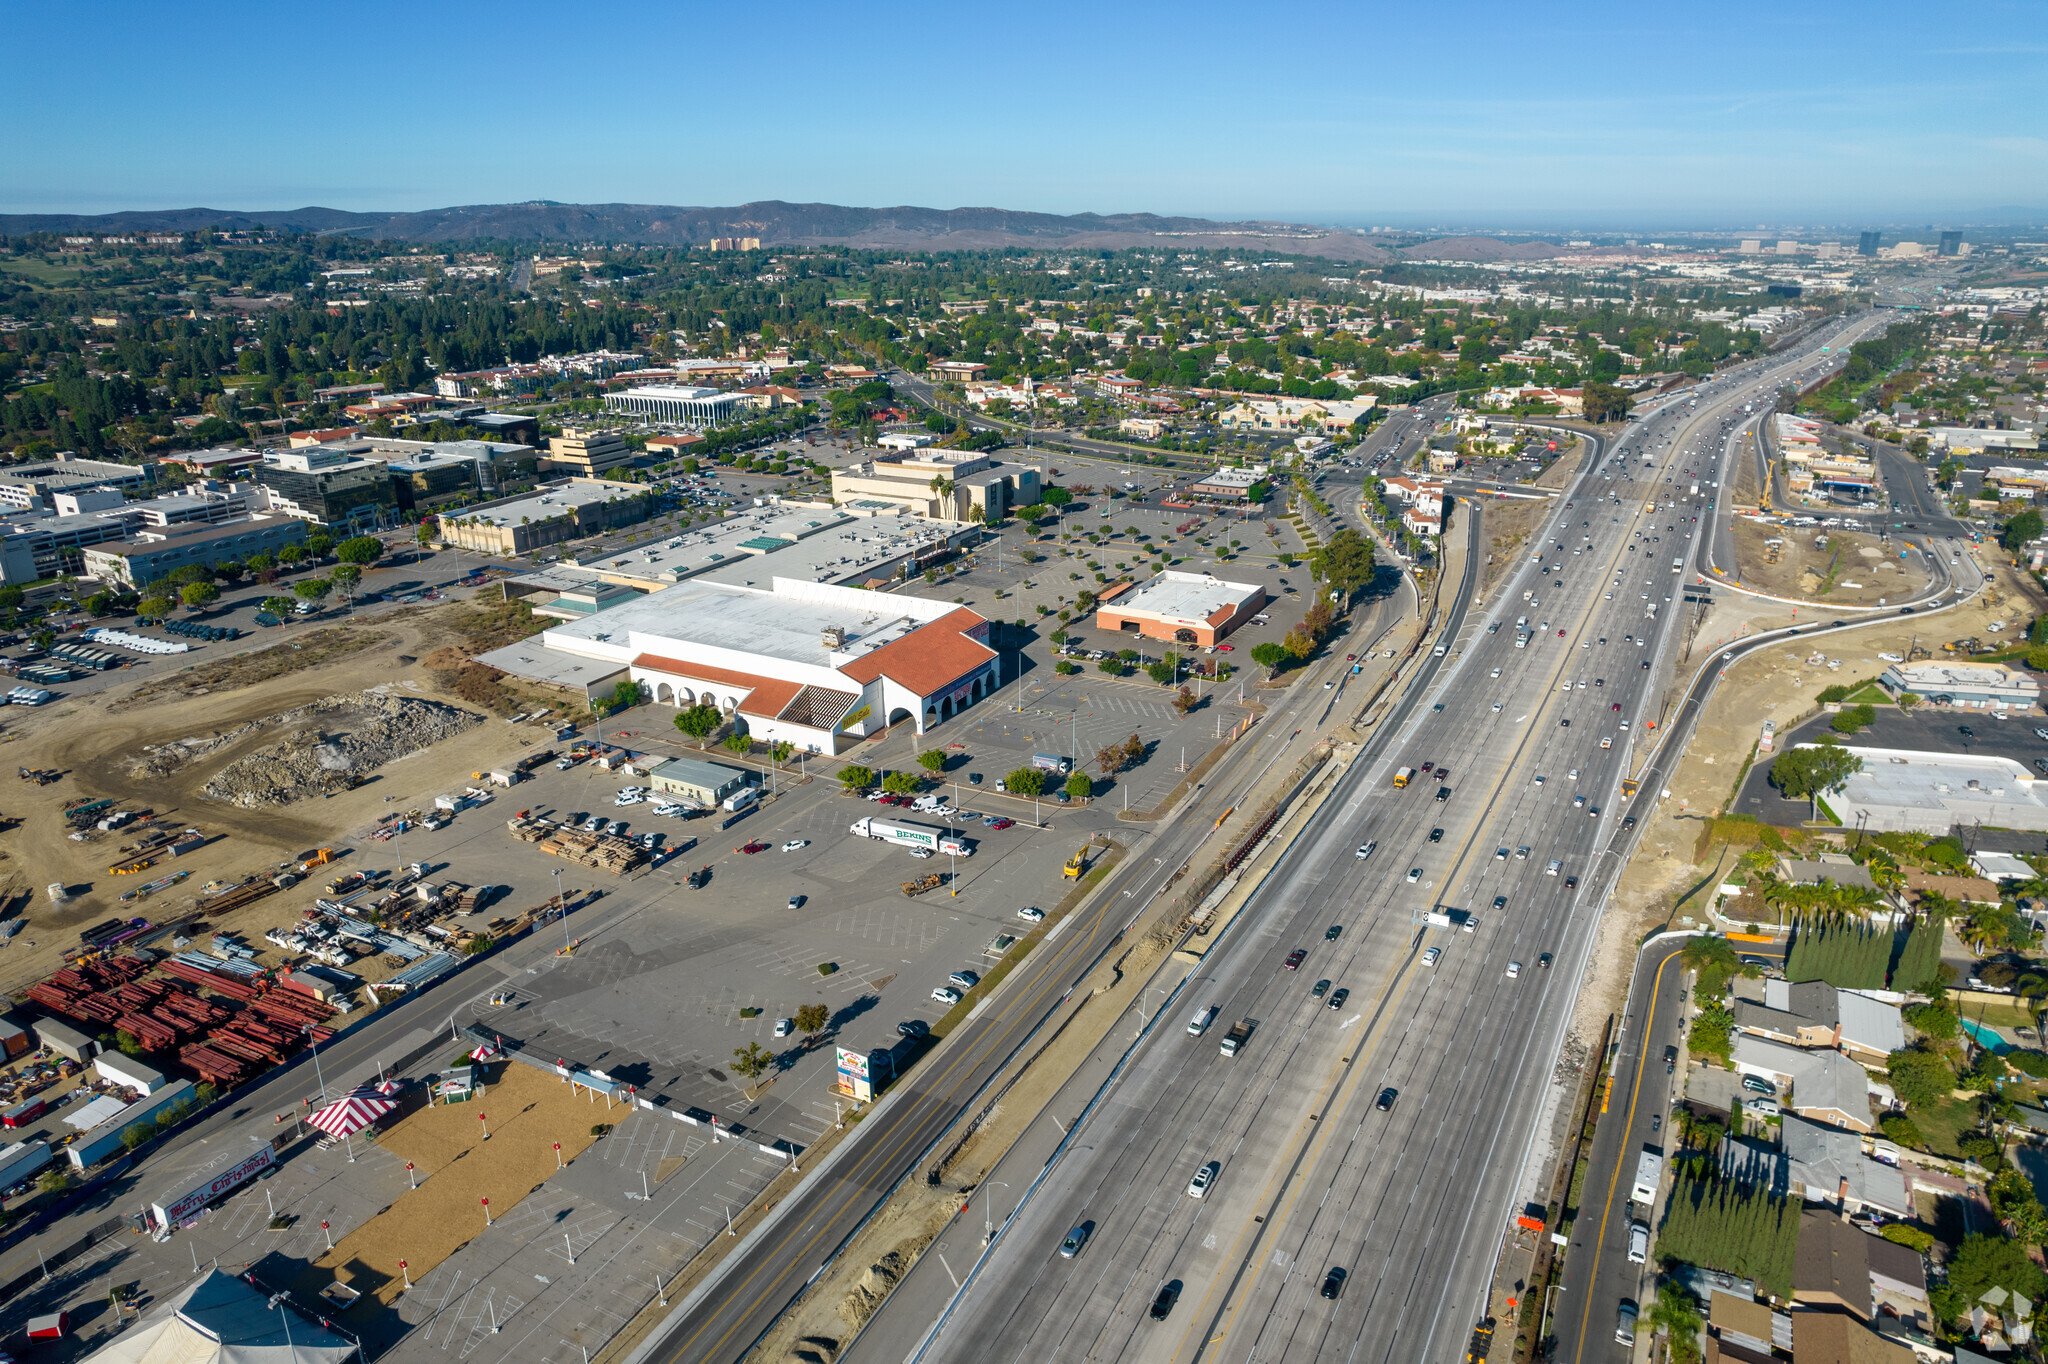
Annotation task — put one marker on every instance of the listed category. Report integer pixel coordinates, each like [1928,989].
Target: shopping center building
[820,665]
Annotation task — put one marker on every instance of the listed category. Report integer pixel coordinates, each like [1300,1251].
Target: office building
[328,487]
[586,454]
[1868,242]
[676,404]
[27,487]
[154,553]
[1975,686]
[937,484]
[565,510]
[1951,243]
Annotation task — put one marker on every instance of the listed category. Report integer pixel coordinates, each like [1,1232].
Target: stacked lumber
[221,1071]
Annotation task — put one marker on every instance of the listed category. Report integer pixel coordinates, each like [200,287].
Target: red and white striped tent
[353,1111]
[484,1052]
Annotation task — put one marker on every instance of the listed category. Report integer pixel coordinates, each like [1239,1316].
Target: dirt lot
[223,710]
[1508,524]
[1777,684]
[1850,569]
[528,1113]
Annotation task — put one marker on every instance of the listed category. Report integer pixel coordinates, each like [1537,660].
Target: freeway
[726,1314]
[1394,1136]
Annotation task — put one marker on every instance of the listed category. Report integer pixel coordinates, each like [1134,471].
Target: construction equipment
[1481,1343]
[930,881]
[1077,864]
[41,776]
[314,857]
[1629,786]
[1916,651]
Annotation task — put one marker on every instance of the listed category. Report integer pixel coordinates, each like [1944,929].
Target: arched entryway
[665,694]
[1183,636]
[900,713]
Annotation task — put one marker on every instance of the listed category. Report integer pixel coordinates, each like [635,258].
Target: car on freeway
[1414,875]
[1168,1295]
[1514,969]
[1031,914]
[1628,821]
[1338,997]
[946,995]
[1204,1177]
[796,843]
[1075,1239]
[1571,883]
[1296,958]
[1332,933]
[1319,989]
[1385,1102]
[1430,957]
[1365,850]
[1436,835]
[1333,1282]
[1543,962]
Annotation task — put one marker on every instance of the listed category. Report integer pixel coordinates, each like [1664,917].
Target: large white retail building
[814,663]
[676,404]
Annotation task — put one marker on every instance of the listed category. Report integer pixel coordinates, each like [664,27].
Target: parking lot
[654,998]
[1928,729]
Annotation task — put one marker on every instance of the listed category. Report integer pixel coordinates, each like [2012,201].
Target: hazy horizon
[1752,118]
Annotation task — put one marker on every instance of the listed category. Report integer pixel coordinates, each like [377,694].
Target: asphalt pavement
[1412,1201]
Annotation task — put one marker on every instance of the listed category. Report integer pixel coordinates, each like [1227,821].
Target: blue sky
[1504,115]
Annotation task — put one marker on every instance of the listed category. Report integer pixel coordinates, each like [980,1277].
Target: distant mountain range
[783,224]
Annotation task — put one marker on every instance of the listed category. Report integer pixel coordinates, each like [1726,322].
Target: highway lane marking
[1621,1157]
[960,1070]
[972,1054]
[1323,1123]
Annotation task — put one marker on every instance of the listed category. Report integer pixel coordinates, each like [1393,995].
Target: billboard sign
[173,1211]
[851,1079]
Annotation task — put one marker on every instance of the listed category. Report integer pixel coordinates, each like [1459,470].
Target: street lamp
[988,1229]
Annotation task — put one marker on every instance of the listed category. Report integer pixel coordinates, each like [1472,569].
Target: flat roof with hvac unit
[1187,608]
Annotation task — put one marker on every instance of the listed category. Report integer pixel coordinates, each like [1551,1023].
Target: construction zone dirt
[341,740]
[261,665]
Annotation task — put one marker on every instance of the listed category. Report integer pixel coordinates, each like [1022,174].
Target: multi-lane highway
[723,1318]
[1394,1135]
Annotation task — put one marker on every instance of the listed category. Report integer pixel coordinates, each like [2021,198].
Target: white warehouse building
[814,663]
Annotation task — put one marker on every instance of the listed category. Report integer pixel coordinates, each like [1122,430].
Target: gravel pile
[344,738]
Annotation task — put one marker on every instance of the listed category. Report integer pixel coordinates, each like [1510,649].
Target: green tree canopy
[856,778]
[932,760]
[1079,787]
[1921,1079]
[698,721]
[1345,563]
[902,783]
[1025,781]
[2022,529]
[1813,769]
[199,594]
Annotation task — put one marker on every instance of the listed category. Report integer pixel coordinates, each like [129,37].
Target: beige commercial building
[940,485]
[586,454]
[556,512]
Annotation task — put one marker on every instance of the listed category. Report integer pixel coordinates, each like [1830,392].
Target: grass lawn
[1870,694]
[1941,1124]
[49,276]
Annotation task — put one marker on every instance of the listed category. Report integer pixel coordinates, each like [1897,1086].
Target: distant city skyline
[1751,116]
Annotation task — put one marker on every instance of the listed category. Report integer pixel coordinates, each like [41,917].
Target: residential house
[1835,1338]
[1825,1086]
[1816,1014]
[1827,1165]
[1831,1268]
[1744,1327]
